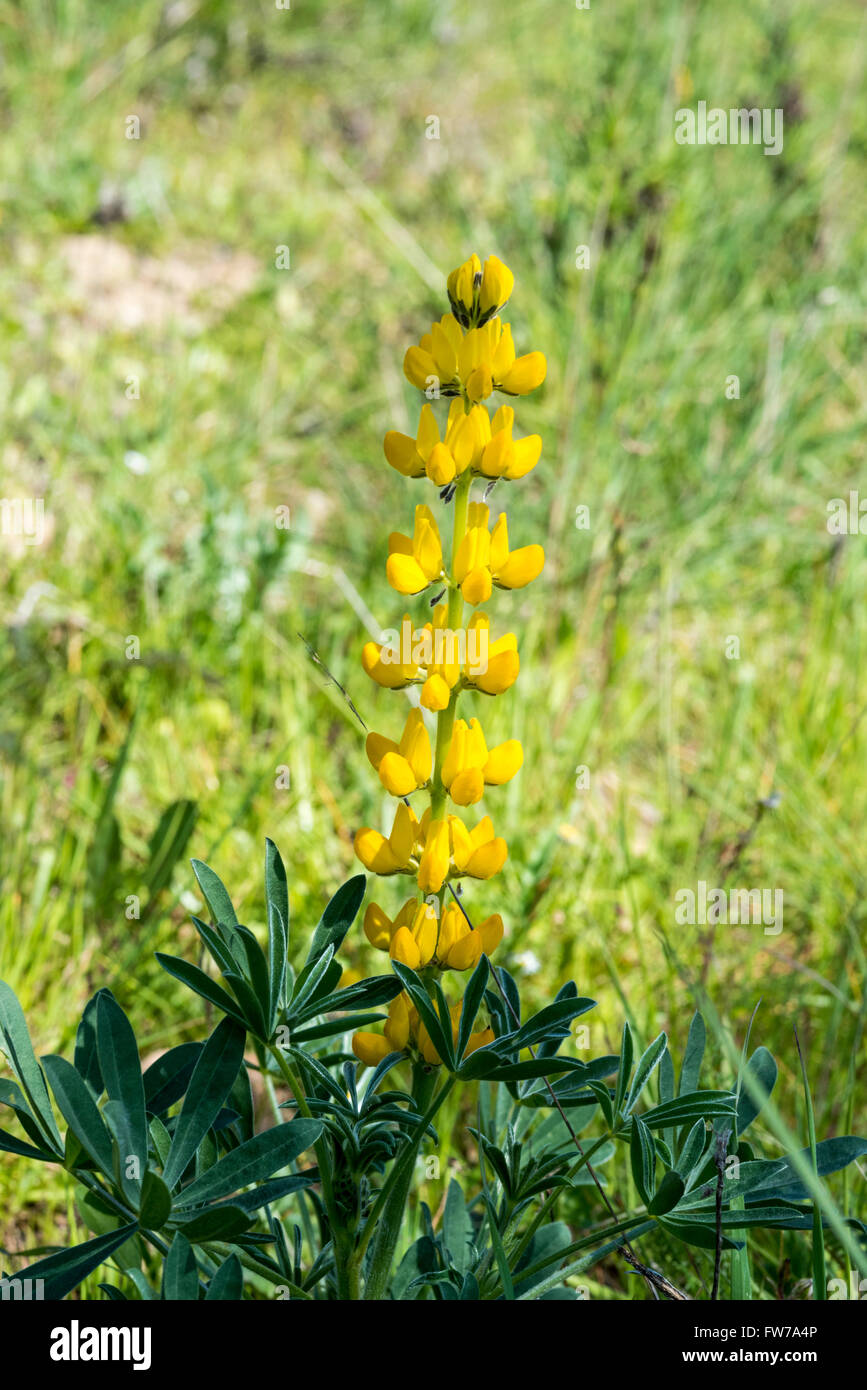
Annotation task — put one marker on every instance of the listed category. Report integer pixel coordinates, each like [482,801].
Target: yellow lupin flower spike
[468,354]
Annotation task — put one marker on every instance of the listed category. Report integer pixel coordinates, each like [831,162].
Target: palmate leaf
[65,1270]
[210,1084]
[472,1000]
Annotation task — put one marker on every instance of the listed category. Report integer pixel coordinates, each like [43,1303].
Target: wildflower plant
[187,1195]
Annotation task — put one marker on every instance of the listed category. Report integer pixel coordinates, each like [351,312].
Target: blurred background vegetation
[166,388]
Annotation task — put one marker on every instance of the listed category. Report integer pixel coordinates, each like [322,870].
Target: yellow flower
[416,938]
[502,664]
[468,767]
[392,855]
[433,868]
[459,946]
[414,561]
[484,559]
[371,1048]
[505,457]
[449,850]
[478,853]
[449,362]
[475,294]
[403,767]
[441,458]
[403,1029]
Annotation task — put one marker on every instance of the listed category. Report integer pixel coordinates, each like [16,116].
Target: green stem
[386,1215]
[323,1155]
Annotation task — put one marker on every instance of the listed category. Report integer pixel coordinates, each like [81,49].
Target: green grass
[306,128]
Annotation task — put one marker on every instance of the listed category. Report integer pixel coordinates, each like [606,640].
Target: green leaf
[79,1109]
[15,1042]
[626,1054]
[277,898]
[337,917]
[685,1109]
[86,1057]
[831,1156]
[11,1145]
[643,1156]
[545,1245]
[121,1069]
[156,1202]
[180,1273]
[552,1021]
[228,1283]
[196,980]
[694,1233]
[218,900]
[254,1161]
[167,1078]
[251,1009]
[64,1271]
[647,1064]
[762,1069]
[473,995]
[427,1014]
[210,1084]
[668,1194]
[309,979]
[225,1222]
[693,1149]
[457,1229]
[692,1057]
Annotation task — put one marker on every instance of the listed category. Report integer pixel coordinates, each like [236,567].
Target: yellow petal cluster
[484,558]
[472,440]
[433,850]
[417,937]
[467,355]
[472,363]
[404,1032]
[475,293]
